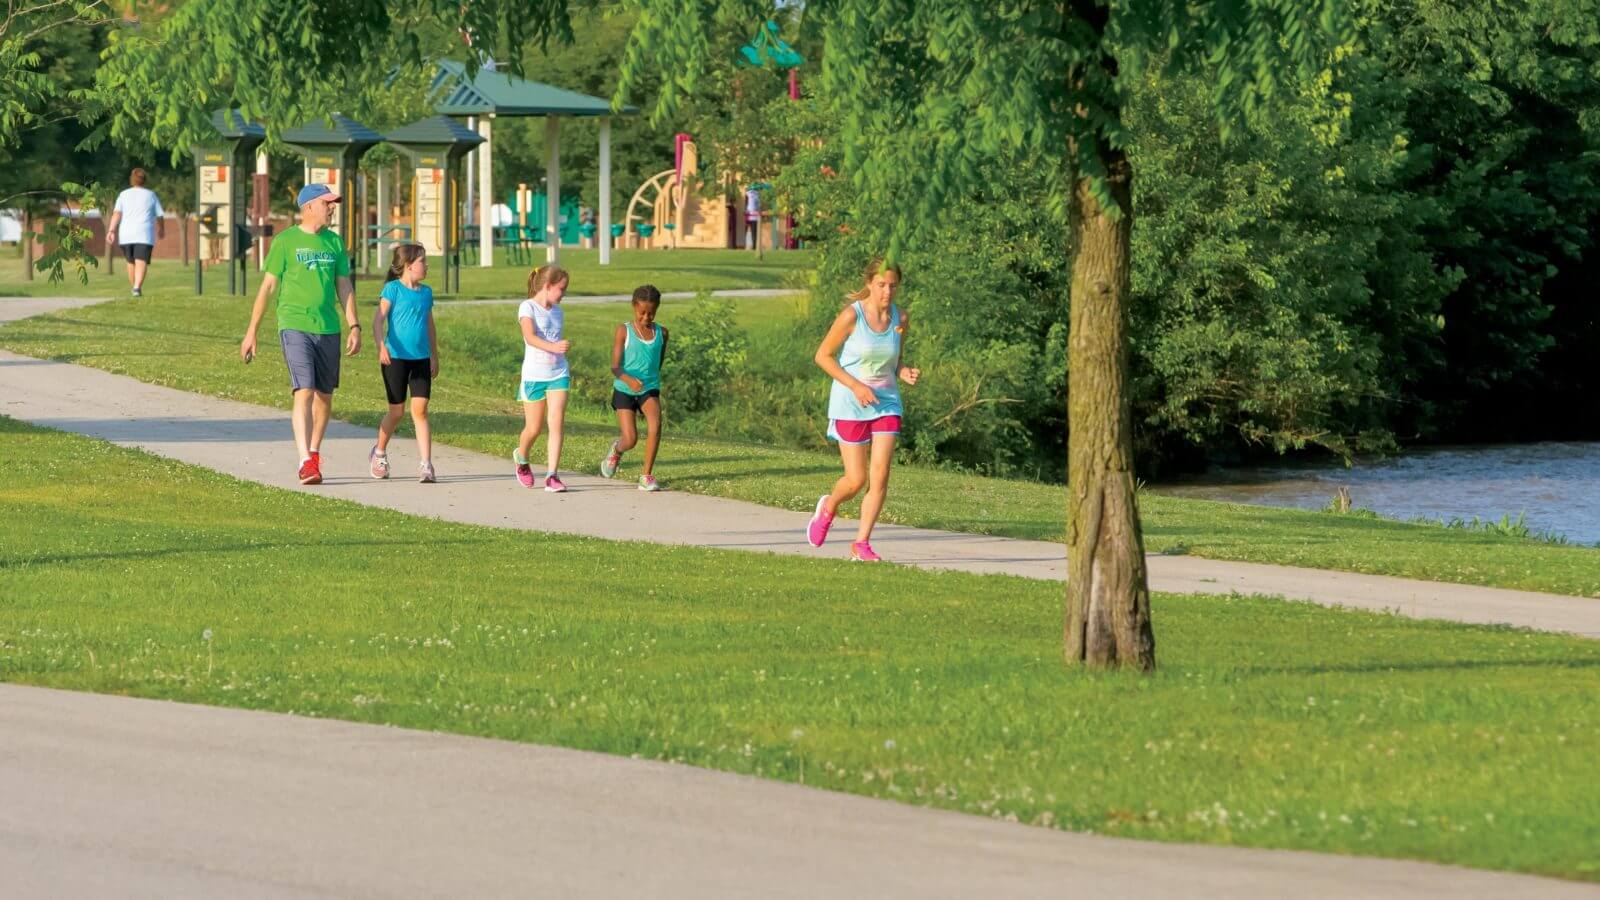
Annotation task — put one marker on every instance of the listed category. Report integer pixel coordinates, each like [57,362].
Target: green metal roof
[345,132]
[230,124]
[437,130]
[501,94]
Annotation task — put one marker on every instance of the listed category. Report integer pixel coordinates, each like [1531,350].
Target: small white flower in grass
[205,635]
[797,734]
[889,744]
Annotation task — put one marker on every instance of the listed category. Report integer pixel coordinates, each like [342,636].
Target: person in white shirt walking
[136,223]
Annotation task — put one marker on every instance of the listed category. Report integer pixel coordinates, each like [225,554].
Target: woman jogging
[862,353]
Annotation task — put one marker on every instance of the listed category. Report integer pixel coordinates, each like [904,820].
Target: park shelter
[333,149]
[436,146]
[222,166]
[489,94]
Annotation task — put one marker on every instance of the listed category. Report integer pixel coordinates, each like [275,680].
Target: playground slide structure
[674,209]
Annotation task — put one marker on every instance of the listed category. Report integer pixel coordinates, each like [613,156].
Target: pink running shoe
[524,472]
[861,551]
[554,484]
[426,475]
[821,521]
[648,484]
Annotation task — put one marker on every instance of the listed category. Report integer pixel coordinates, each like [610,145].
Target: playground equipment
[221,193]
[676,208]
[674,202]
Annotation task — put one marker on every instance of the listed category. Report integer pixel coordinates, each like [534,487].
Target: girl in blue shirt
[408,351]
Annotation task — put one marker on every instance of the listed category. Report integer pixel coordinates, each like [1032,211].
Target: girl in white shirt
[545,377]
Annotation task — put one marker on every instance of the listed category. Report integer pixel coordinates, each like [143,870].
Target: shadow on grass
[124,326]
[162,552]
[1379,667]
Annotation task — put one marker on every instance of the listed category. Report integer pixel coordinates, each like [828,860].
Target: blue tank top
[873,358]
[642,360]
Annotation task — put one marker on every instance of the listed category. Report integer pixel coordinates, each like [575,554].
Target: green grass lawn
[192,343]
[669,270]
[1268,724]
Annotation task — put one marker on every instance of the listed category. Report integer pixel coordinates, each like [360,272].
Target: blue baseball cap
[316,191]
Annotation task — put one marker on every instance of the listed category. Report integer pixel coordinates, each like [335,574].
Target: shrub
[707,351]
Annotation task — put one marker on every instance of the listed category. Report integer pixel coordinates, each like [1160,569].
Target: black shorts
[140,252]
[401,375]
[621,400]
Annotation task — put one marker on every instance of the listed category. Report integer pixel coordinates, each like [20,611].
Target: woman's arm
[827,357]
[907,374]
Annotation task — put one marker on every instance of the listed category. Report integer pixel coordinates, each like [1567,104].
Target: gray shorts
[313,360]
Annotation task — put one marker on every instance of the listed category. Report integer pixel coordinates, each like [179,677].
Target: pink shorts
[860,431]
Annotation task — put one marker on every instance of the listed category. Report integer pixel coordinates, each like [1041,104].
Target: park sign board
[435,146]
[222,191]
[333,151]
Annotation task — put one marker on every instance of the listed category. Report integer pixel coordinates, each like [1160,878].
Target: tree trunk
[27,243]
[1108,600]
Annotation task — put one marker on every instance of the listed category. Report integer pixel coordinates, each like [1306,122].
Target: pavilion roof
[492,92]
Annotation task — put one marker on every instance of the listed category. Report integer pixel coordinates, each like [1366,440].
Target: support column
[470,168]
[605,191]
[552,189]
[485,194]
[263,170]
[383,210]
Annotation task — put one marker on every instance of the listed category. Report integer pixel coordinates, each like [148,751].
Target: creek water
[1556,486]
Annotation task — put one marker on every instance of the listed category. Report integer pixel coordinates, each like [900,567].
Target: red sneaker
[310,472]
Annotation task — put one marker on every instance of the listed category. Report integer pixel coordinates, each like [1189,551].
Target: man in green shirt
[310,272]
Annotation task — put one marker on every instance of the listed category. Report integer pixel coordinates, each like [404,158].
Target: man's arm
[347,293]
[247,347]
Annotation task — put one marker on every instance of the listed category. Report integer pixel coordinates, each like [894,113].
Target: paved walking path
[116,797]
[253,442]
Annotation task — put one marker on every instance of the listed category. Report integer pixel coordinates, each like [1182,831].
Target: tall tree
[924,88]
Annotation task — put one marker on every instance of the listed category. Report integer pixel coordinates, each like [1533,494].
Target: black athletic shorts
[624,400]
[401,375]
[140,252]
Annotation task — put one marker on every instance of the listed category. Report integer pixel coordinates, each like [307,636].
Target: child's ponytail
[544,276]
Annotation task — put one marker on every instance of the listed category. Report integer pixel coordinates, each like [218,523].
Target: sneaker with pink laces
[554,484]
[608,466]
[821,521]
[648,484]
[425,474]
[524,472]
[378,463]
[861,551]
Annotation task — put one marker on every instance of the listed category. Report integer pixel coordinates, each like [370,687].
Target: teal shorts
[534,391]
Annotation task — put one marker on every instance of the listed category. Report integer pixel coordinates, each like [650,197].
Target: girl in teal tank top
[636,356]
[864,353]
